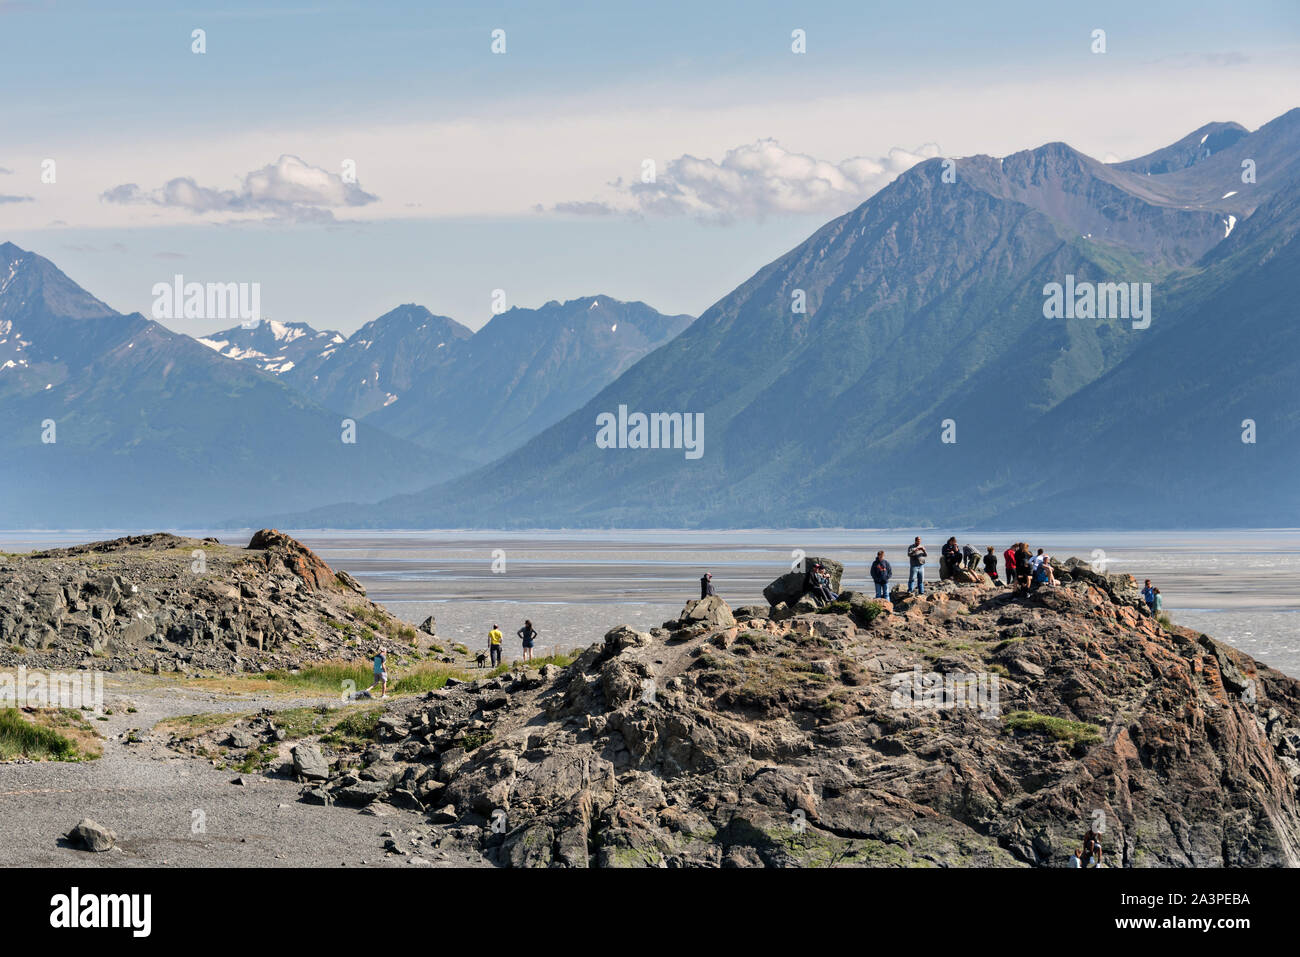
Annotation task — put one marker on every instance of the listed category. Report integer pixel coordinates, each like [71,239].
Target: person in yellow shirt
[494,645]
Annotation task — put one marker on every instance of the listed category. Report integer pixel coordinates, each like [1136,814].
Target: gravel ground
[149,797]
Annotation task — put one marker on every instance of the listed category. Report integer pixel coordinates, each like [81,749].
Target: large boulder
[789,588]
[1122,588]
[968,576]
[92,836]
[349,582]
[711,611]
[288,554]
[309,764]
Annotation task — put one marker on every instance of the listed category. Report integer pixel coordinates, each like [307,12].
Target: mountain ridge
[922,305]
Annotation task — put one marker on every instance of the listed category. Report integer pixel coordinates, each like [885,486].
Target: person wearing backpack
[916,570]
[881,572]
[527,634]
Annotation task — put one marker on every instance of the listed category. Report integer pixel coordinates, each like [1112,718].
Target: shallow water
[1239,586]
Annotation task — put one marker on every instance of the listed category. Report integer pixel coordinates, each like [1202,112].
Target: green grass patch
[186,727]
[474,739]
[835,608]
[379,622]
[47,734]
[328,678]
[355,728]
[1062,729]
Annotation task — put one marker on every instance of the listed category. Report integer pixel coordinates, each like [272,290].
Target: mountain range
[116,420]
[899,367]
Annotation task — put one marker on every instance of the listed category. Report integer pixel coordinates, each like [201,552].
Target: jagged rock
[429,626]
[711,611]
[92,836]
[308,763]
[361,793]
[287,553]
[624,636]
[241,738]
[444,815]
[348,581]
[806,605]
[968,576]
[168,603]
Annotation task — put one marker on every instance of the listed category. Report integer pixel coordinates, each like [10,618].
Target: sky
[349,157]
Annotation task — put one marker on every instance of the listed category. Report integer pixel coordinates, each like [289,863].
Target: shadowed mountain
[381,361]
[899,367]
[524,371]
[1191,149]
[114,419]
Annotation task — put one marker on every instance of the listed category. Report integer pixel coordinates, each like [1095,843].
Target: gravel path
[152,799]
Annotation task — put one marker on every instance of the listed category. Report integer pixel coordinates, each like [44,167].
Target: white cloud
[286,189]
[753,181]
[541,152]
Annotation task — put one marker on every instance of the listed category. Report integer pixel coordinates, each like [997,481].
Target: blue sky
[477,171]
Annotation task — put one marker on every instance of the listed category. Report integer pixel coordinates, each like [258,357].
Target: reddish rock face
[292,556]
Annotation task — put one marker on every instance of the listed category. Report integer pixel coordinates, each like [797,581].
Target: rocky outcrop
[970,727]
[280,553]
[793,585]
[165,603]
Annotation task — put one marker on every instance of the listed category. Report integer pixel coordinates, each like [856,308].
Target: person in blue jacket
[1149,596]
[881,572]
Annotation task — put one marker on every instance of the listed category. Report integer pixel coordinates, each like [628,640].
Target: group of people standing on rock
[1024,571]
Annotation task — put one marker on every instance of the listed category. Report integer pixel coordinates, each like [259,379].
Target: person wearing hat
[706,586]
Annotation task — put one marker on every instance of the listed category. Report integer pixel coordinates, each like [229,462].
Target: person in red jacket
[1009,559]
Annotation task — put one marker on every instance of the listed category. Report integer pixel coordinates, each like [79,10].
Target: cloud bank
[751,182]
[288,189]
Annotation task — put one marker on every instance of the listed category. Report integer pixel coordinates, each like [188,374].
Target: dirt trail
[170,810]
